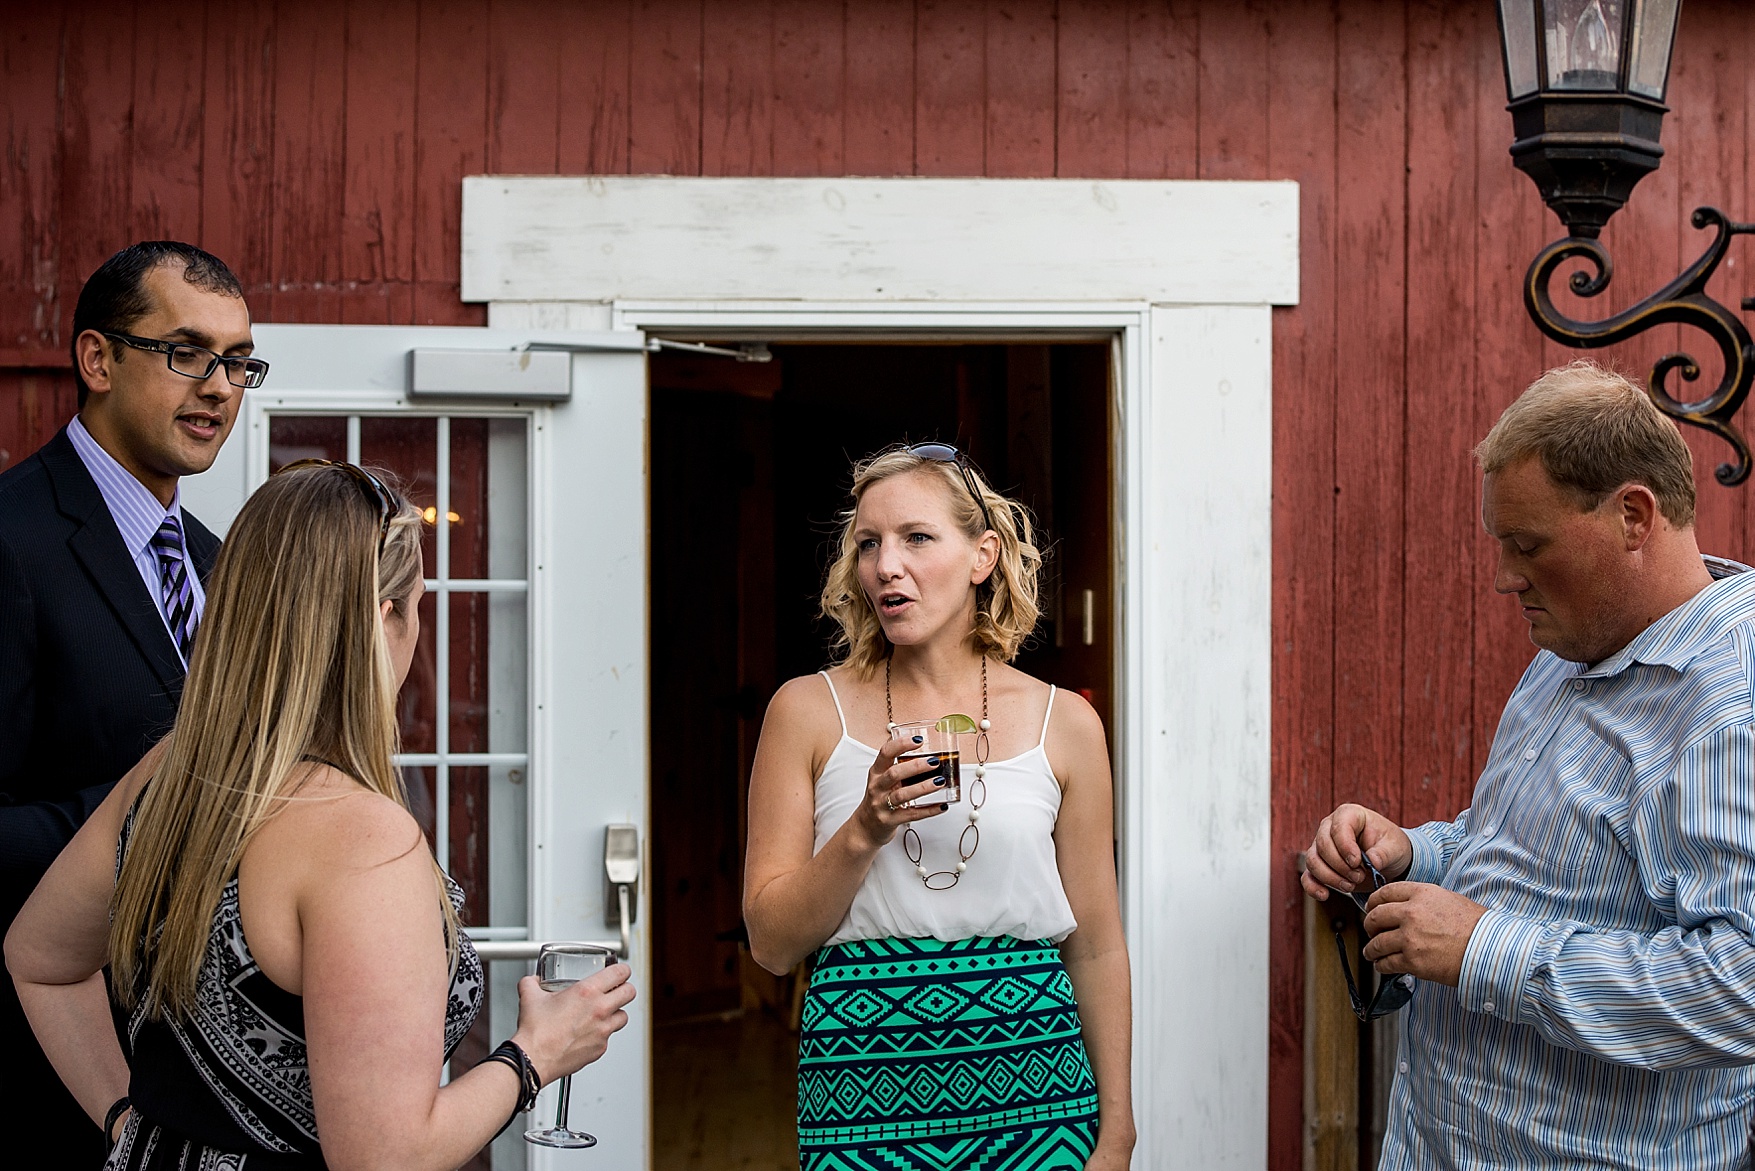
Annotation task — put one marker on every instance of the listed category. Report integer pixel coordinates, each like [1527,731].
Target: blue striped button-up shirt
[1606,1011]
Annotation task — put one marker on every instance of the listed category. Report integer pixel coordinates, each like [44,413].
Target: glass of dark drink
[935,741]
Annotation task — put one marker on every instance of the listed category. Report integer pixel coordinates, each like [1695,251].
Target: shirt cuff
[1427,857]
[1497,964]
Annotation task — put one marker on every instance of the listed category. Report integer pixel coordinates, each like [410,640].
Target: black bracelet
[116,1111]
[514,1058]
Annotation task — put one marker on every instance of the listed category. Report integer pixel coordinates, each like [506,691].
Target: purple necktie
[173,578]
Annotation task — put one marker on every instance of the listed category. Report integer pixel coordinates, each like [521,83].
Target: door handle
[621,879]
[499,950]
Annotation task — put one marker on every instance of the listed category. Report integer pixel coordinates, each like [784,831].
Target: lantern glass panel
[1648,66]
[1517,28]
[1584,40]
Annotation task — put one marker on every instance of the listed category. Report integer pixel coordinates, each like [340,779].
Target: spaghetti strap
[843,715]
[1043,739]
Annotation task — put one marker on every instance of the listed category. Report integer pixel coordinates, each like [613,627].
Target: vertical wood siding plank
[593,127]
[1371,234]
[1511,225]
[950,88]
[169,71]
[878,112]
[1440,521]
[451,122]
[1233,102]
[524,77]
[30,179]
[237,169]
[96,143]
[1163,86]
[1091,130]
[309,162]
[1301,146]
[377,215]
[1021,100]
[738,66]
[810,78]
[665,101]
[1705,144]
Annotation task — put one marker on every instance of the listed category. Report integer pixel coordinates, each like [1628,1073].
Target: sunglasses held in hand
[1392,992]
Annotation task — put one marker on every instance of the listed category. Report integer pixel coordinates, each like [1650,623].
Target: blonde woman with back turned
[284,948]
[969,1002]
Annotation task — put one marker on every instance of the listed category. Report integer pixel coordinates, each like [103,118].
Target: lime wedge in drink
[956,723]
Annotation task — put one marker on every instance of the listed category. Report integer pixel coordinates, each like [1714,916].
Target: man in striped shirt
[1583,935]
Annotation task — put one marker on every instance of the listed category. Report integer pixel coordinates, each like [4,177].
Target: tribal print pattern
[920,1055]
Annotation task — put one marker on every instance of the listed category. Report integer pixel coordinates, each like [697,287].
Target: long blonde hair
[1006,604]
[290,667]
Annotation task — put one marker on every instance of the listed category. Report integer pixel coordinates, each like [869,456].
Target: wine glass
[559,965]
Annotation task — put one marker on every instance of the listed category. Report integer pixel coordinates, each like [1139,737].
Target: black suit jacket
[89,679]
[89,676]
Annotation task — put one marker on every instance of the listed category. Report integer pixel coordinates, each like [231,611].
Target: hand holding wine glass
[566,1014]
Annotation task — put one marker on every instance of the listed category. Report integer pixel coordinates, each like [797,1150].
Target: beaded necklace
[970,839]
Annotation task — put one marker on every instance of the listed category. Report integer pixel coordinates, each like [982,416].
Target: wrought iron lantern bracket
[1683,301]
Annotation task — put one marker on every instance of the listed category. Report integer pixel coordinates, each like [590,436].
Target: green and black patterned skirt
[918,1054]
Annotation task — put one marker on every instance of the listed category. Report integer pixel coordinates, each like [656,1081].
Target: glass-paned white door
[523,720]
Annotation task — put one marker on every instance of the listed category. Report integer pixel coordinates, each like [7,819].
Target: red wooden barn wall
[317,146]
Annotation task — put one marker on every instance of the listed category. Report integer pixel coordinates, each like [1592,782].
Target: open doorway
[750,463]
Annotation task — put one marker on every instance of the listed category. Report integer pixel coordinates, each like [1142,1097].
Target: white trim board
[1194,475]
[550,238]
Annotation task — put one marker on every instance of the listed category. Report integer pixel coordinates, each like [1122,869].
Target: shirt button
[1488,1007]
[1579,685]
[1529,754]
[1488,828]
[1401,1067]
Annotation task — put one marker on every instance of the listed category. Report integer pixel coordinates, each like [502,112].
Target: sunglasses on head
[381,497]
[1392,992]
[945,453]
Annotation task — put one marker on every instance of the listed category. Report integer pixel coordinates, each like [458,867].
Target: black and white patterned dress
[229,1087]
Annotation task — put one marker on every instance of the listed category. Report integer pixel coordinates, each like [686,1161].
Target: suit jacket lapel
[203,546]
[98,546]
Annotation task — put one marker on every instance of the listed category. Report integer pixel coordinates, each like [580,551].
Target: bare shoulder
[801,701]
[337,825]
[1077,746]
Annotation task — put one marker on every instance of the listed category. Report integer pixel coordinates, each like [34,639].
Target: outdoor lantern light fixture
[1586,82]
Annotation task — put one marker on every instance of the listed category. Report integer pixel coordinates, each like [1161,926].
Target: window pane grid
[439,762]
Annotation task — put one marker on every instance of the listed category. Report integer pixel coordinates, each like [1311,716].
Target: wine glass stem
[561,1105]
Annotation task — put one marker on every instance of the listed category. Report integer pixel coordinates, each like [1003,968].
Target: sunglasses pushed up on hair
[384,500]
[945,453]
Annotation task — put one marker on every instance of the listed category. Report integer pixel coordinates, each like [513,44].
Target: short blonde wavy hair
[1006,604]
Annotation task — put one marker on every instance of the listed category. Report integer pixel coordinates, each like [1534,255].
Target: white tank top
[1011,886]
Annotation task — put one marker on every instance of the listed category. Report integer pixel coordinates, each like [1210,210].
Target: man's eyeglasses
[196,362]
[382,498]
[1392,992]
[945,453]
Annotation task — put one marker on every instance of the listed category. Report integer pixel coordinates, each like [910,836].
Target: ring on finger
[890,802]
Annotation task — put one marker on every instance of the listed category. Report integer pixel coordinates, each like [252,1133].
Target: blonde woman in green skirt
[969,1003]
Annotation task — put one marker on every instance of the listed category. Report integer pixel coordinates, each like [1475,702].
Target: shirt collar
[133,507]
[1682,635]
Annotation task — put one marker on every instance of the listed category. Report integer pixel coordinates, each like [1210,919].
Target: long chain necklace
[970,839]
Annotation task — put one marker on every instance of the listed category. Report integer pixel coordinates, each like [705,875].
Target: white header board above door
[548,238]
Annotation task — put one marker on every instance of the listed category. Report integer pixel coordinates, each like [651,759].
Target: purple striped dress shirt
[137,514]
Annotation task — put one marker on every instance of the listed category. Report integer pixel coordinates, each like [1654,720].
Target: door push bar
[621,900]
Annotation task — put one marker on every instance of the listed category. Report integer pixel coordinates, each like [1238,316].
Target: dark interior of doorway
[750,464]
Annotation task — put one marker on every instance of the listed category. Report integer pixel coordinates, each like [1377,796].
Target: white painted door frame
[1183,276]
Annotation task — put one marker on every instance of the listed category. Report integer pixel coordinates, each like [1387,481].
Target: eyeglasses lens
[195,362]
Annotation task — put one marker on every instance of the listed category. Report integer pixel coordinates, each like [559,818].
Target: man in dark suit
[100,589]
